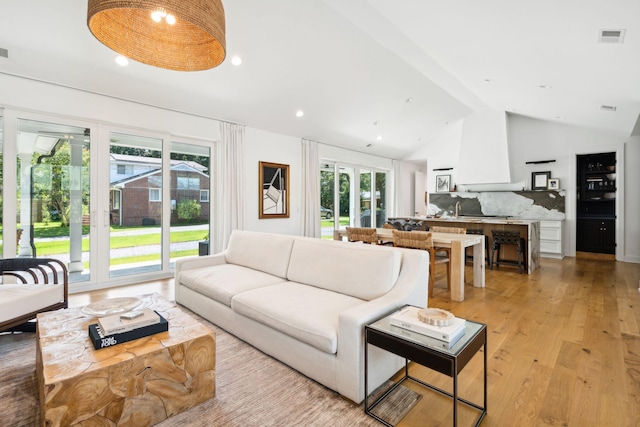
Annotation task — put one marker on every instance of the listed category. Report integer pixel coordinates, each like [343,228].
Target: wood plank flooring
[563,346]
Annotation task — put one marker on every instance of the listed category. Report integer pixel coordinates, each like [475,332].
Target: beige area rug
[252,389]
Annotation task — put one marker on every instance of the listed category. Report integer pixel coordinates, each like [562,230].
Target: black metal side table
[431,353]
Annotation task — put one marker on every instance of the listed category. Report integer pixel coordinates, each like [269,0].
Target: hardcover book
[101,340]
[119,323]
[407,318]
[425,339]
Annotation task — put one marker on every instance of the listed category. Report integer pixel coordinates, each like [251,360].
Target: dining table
[458,244]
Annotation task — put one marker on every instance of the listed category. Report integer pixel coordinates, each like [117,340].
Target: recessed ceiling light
[123,61]
[379,138]
[608,107]
[488,80]
[408,100]
[545,87]
[560,117]
[369,145]
[236,60]
[299,113]
[376,123]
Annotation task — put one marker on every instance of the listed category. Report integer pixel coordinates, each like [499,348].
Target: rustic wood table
[136,383]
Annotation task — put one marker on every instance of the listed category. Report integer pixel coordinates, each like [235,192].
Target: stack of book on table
[407,323]
[119,328]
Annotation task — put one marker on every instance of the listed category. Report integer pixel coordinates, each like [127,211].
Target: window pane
[135,204]
[381,198]
[53,194]
[190,213]
[327,198]
[346,193]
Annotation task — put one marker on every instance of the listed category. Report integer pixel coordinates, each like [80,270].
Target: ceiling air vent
[611,36]
[4,52]
[608,108]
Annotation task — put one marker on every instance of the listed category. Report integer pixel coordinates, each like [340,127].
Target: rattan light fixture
[181,35]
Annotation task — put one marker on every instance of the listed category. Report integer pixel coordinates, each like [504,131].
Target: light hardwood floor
[563,346]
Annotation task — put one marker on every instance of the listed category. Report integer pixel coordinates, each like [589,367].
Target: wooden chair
[423,240]
[446,252]
[24,292]
[365,235]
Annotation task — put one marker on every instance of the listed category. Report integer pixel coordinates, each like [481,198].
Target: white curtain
[398,191]
[310,218]
[230,201]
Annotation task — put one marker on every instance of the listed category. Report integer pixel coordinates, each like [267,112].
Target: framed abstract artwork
[273,197]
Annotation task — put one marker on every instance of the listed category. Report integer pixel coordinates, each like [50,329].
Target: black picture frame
[540,180]
[443,183]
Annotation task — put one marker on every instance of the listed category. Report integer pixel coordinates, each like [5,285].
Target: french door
[355,196]
[115,205]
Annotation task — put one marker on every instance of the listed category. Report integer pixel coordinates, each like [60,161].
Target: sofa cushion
[261,251]
[18,299]
[304,312]
[358,270]
[221,282]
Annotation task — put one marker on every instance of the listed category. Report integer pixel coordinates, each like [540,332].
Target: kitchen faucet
[458,208]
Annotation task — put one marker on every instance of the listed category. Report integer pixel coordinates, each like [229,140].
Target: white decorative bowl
[611,176]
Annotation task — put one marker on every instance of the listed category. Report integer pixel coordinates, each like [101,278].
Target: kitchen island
[529,229]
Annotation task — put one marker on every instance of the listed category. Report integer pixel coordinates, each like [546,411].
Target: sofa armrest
[410,288]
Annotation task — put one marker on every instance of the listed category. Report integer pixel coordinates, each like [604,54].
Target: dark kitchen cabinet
[597,235]
[596,203]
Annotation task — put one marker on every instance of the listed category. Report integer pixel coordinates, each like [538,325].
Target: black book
[102,341]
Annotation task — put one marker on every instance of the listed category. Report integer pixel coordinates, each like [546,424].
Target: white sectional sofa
[305,301]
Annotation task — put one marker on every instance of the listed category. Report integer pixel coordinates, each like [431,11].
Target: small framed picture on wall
[554,184]
[443,183]
[540,180]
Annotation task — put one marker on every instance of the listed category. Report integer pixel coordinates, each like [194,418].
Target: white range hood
[484,150]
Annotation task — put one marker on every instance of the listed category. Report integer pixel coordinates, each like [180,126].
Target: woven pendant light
[189,34]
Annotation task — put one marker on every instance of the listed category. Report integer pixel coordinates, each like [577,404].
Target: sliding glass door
[116,205]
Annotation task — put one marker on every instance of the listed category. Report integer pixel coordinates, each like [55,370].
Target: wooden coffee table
[137,383]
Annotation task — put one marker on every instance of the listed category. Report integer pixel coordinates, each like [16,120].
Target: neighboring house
[136,192]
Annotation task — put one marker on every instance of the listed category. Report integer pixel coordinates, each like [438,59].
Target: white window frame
[157,191]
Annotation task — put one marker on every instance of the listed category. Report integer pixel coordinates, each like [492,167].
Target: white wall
[441,152]
[273,148]
[62,101]
[632,200]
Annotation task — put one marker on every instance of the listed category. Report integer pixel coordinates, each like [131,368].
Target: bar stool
[469,251]
[507,238]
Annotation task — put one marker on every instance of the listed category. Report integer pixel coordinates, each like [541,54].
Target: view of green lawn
[55,247]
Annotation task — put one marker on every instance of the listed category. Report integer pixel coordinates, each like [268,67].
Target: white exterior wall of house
[527,139]
[131,169]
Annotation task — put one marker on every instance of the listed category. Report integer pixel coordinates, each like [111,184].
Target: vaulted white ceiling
[403,70]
